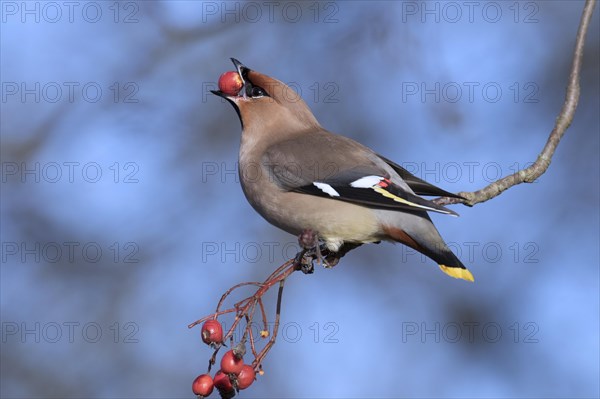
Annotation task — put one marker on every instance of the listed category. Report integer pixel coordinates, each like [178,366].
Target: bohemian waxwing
[301,177]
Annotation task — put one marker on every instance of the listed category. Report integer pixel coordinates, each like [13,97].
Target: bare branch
[565,117]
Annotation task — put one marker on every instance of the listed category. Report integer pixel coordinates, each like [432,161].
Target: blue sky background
[134,171]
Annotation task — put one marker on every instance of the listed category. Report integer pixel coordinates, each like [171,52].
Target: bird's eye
[258,92]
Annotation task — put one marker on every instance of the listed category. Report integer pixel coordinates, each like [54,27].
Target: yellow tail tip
[457,272]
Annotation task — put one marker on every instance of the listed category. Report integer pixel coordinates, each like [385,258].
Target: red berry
[230,83]
[230,364]
[222,382]
[203,385]
[212,332]
[246,377]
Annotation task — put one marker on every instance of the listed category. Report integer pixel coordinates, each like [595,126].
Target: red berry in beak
[230,83]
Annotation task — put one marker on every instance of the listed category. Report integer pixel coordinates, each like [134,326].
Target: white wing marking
[366,182]
[327,189]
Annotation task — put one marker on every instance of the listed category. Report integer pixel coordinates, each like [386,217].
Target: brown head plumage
[268,104]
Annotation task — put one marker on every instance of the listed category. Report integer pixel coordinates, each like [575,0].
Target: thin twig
[258,361]
[264,316]
[563,121]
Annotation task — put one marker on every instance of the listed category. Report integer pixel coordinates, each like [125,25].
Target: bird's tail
[431,244]
[451,265]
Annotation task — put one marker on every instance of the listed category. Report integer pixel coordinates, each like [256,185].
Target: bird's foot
[304,262]
[313,250]
[333,258]
[309,241]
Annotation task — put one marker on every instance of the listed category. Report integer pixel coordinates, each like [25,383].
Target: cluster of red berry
[233,375]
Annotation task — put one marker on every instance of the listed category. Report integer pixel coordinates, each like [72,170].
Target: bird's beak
[242,70]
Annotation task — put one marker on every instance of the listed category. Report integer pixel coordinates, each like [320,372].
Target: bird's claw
[309,242]
[304,262]
[313,250]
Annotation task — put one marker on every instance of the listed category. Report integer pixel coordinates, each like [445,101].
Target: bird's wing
[419,186]
[331,166]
